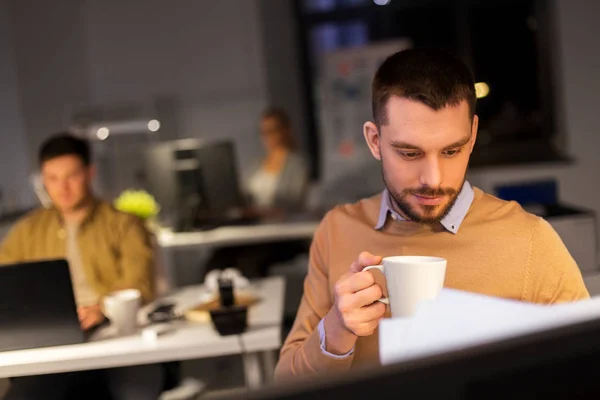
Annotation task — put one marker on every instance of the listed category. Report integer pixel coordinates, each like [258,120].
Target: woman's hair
[285,125]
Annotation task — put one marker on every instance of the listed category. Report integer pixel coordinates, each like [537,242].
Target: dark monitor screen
[217,169]
[193,179]
[160,178]
[561,363]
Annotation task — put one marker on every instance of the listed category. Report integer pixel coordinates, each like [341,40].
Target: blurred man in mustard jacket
[107,250]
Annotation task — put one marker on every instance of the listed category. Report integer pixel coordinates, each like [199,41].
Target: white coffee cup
[121,308]
[410,280]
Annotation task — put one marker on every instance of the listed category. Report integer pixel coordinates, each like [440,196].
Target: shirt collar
[451,222]
[95,202]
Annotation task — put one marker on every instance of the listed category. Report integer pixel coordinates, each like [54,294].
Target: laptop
[37,306]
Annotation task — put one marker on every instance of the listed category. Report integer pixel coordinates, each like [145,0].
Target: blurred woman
[276,187]
[278,182]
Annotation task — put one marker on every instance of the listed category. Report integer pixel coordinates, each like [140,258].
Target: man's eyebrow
[459,143]
[404,145]
[408,146]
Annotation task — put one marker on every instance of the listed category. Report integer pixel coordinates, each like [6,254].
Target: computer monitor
[194,181]
[160,178]
[217,167]
[561,363]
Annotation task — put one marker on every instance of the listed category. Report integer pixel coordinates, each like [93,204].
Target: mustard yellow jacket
[115,247]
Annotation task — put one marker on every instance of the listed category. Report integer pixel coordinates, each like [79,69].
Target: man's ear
[373,139]
[91,171]
[474,128]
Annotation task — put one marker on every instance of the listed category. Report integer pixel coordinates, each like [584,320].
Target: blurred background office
[279,90]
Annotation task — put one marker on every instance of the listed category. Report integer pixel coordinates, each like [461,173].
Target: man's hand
[90,316]
[356,311]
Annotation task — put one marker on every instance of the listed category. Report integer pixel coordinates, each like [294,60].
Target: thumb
[364,260]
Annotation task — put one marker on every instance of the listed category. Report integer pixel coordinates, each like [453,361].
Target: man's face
[424,155]
[67,180]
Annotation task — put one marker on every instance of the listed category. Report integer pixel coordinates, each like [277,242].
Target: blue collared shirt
[451,222]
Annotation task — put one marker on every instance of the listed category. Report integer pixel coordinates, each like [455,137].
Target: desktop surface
[181,340]
[208,223]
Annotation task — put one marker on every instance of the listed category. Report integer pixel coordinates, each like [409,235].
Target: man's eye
[451,153]
[409,154]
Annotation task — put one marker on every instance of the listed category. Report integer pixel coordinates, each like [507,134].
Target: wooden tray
[201,312]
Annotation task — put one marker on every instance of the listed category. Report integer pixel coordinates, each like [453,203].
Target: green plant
[137,202]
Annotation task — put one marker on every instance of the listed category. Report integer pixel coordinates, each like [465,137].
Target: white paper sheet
[457,320]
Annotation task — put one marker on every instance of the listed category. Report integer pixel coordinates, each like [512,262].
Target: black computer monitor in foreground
[193,181]
[561,363]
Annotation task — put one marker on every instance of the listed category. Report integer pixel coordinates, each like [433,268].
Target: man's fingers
[90,317]
[85,323]
[364,321]
[82,314]
[362,300]
[373,312]
[368,296]
[367,328]
[354,282]
[364,259]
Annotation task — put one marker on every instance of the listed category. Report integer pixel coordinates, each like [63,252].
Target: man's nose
[431,174]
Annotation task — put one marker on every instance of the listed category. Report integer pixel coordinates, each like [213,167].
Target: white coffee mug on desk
[121,308]
[409,280]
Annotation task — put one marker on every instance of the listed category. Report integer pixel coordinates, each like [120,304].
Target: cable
[242,346]
[243,353]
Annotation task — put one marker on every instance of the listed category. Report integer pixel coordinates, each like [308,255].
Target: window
[503,42]
[319,6]
[330,36]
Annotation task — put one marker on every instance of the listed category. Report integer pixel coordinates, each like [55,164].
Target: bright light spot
[381,2]
[153,125]
[103,133]
[481,89]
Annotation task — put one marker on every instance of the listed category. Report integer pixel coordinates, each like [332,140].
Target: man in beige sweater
[423,133]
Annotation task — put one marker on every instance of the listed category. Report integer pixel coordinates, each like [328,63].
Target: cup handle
[105,310]
[383,300]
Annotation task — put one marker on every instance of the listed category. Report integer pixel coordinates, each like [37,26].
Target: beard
[77,205]
[424,214]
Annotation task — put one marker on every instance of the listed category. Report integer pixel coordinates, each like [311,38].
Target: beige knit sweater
[499,250]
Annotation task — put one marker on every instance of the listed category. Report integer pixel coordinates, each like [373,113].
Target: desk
[185,341]
[238,235]
[169,241]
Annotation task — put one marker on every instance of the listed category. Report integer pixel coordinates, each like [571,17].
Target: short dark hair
[62,144]
[430,76]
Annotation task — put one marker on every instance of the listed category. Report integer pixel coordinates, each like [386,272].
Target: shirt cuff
[321,328]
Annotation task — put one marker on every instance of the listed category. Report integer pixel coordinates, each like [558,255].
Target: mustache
[429,192]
